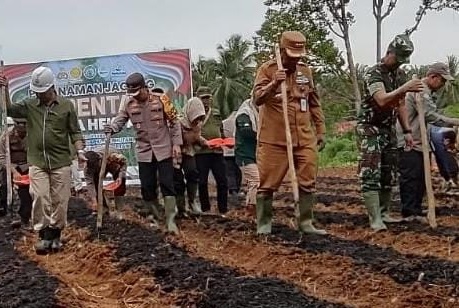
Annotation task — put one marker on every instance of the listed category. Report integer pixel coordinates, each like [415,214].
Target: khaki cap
[440,69]
[294,43]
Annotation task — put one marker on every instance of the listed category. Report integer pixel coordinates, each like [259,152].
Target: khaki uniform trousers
[252,178]
[50,190]
[272,161]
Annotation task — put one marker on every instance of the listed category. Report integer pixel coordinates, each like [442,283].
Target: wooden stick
[426,159]
[288,134]
[9,184]
[100,187]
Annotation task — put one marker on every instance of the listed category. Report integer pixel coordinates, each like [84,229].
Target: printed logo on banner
[103,71]
[118,71]
[89,72]
[75,73]
[62,75]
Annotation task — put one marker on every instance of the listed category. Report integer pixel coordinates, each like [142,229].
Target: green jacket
[246,141]
[210,130]
[48,131]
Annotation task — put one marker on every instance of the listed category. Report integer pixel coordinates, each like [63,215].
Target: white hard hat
[42,79]
[9,121]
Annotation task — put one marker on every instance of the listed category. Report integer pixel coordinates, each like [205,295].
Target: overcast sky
[34,31]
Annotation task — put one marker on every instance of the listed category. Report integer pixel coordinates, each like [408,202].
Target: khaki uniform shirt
[156,124]
[271,115]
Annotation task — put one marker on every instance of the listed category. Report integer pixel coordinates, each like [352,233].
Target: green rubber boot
[385,199]
[170,207]
[192,192]
[305,216]
[374,211]
[264,213]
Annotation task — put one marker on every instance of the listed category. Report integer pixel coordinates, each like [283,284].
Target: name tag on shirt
[303,105]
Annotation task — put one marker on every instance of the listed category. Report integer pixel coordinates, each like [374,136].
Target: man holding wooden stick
[412,186]
[303,106]
[51,123]
[159,140]
[385,89]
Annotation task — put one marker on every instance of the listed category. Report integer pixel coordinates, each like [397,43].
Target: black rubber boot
[56,241]
[43,246]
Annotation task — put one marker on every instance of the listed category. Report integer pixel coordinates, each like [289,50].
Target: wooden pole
[288,134]
[9,184]
[426,159]
[100,195]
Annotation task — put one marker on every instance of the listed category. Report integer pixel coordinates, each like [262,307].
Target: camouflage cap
[294,43]
[403,47]
[440,69]
[203,92]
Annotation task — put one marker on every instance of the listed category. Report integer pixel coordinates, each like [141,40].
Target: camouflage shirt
[377,78]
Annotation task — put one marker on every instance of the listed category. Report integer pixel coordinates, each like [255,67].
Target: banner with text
[96,86]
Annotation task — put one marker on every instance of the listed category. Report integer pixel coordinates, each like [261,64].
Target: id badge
[303,105]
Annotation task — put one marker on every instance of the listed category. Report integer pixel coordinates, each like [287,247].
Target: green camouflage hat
[403,47]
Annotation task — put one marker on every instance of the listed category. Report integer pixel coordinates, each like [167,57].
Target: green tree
[450,93]
[308,18]
[235,73]
[203,72]
[230,76]
[340,22]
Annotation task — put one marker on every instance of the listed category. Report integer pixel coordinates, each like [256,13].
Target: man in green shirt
[51,121]
[208,159]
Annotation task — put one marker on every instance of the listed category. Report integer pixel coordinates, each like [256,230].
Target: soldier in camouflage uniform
[385,89]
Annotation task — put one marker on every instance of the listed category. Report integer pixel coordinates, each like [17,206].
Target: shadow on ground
[22,283]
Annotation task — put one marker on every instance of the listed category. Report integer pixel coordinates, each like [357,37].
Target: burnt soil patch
[200,282]
[22,282]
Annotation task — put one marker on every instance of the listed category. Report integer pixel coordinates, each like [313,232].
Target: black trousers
[212,162]
[233,174]
[412,185]
[148,174]
[188,172]
[25,207]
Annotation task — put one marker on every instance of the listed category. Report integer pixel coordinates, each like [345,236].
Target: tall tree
[203,72]
[432,5]
[380,15]
[235,72]
[308,18]
[339,24]
[230,76]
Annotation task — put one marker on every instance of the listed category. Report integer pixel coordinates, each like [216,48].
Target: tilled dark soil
[202,283]
[22,282]
[220,262]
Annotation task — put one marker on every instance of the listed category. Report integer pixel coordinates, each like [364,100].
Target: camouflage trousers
[378,158]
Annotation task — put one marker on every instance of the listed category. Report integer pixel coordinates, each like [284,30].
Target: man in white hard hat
[51,122]
[10,123]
